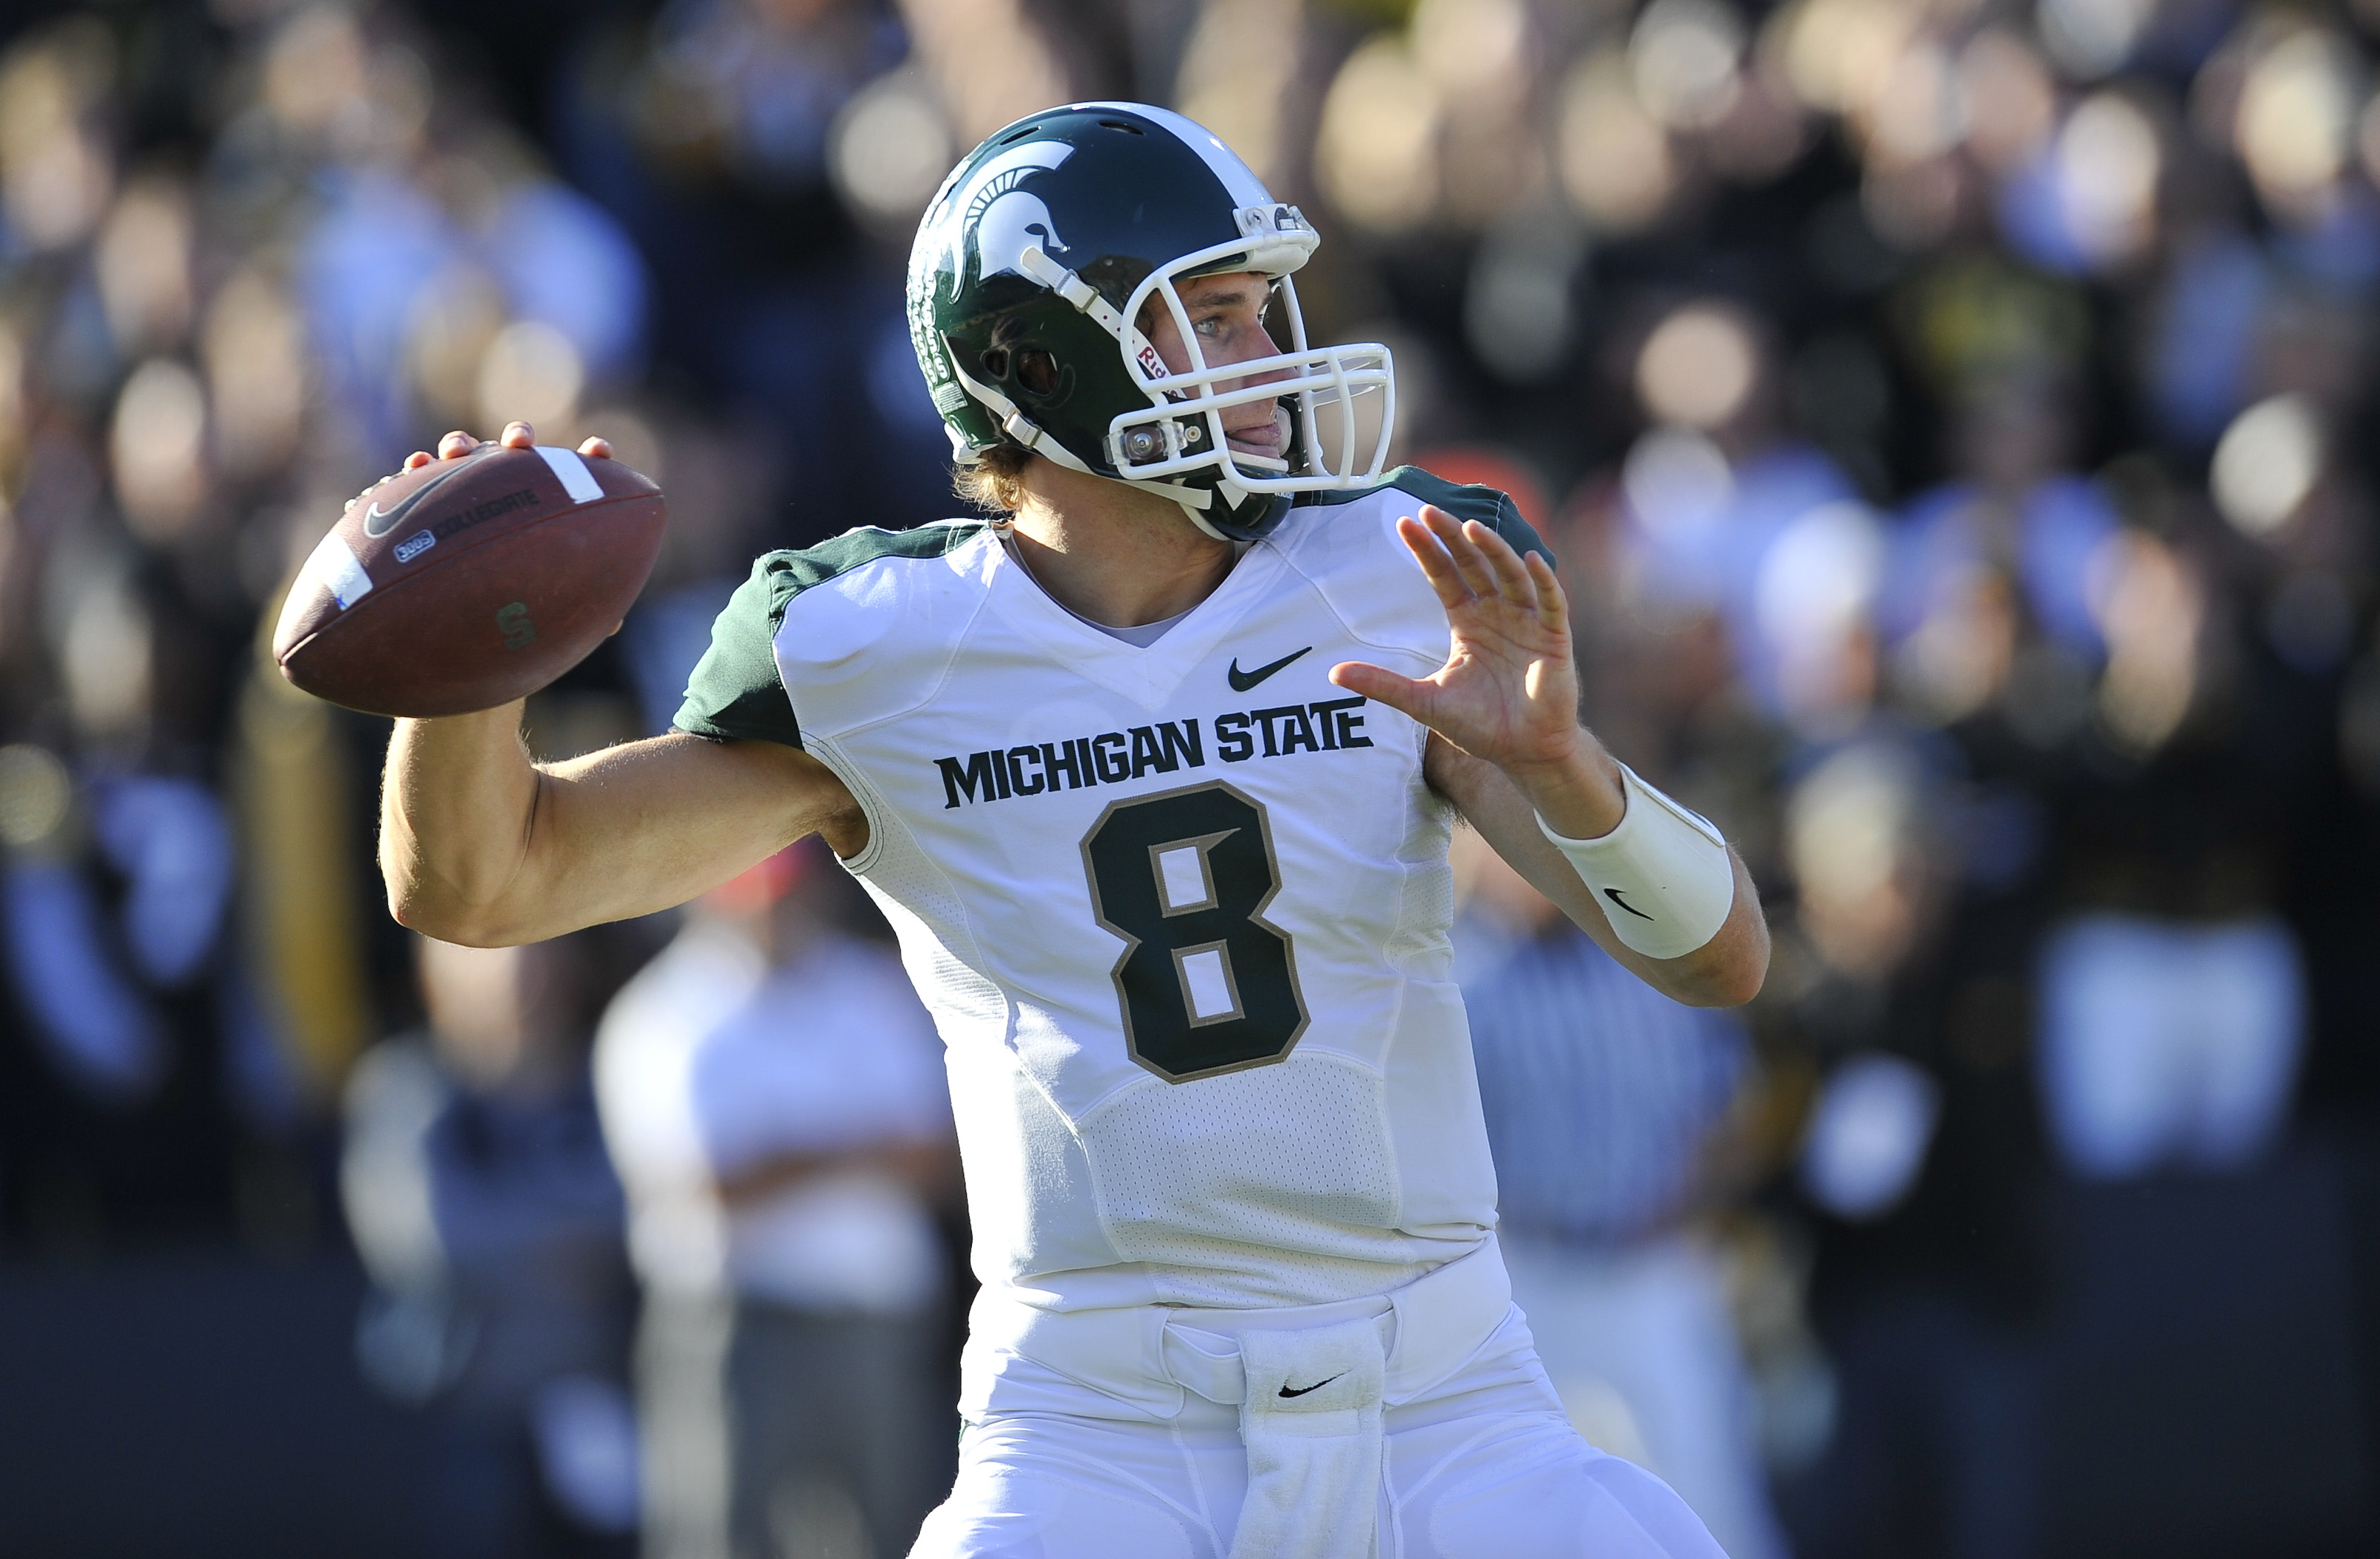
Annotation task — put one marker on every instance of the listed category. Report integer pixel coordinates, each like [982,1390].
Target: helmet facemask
[1177,445]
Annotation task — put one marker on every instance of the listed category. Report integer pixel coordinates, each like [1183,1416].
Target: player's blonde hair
[994,479]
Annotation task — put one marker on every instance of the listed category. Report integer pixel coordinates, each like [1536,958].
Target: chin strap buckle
[1070,286]
[1024,432]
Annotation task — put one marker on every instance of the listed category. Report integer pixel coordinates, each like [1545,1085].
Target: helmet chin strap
[1198,517]
[1026,431]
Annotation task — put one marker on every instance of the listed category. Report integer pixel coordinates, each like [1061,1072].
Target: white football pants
[1483,1466]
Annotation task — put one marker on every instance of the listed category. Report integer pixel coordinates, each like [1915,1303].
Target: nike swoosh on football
[1319,1384]
[1243,680]
[379,521]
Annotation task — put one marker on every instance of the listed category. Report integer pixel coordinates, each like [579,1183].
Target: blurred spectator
[1727,515]
[773,1094]
[1602,1098]
[2168,1046]
[481,1200]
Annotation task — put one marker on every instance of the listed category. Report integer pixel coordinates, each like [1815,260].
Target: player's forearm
[1727,970]
[1587,802]
[457,802]
[1581,795]
[1577,791]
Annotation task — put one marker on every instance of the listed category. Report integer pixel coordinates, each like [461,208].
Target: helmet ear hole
[1038,371]
[995,361]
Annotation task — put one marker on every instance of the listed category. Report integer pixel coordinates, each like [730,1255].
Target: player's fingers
[1513,580]
[1553,604]
[415,461]
[457,445]
[595,448]
[517,436]
[1436,565]
[1383,685]
[1461,549]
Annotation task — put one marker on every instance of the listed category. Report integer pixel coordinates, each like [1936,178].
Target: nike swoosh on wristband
[1319,1384]
[1243,680]
[1613,895]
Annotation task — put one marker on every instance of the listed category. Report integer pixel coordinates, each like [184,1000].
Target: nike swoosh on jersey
[1243,680]
[379,521]
[1319,1384]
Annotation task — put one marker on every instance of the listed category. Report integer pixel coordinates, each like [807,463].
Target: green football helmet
[1050,237]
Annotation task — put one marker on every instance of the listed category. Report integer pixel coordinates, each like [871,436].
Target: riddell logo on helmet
[1254,220]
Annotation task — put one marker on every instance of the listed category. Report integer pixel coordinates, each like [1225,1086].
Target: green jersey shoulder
[1488,505]
[736,694]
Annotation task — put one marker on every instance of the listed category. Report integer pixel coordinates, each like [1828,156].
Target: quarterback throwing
[1154,773]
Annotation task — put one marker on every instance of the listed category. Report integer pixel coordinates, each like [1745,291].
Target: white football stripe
[332,566]
[576,480]
[1236,178]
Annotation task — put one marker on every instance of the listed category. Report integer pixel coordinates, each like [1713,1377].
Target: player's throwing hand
[456,445]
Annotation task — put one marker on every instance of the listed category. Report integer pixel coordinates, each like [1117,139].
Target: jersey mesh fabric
[1291,1184]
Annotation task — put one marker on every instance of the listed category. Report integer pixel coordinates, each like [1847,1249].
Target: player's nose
[1248,346]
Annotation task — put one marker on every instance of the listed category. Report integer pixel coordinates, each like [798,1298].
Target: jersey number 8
[1207,986]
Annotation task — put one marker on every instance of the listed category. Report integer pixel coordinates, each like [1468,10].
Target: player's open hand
[454,445]
[1508,692]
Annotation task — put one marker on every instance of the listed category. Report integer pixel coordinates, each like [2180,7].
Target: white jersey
[1179,912]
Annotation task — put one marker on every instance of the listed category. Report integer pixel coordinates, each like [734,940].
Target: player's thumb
[1381,686]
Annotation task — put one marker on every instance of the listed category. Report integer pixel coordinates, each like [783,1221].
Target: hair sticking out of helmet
[1037,261]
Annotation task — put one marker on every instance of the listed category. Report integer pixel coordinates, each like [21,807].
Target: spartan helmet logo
[1002,217]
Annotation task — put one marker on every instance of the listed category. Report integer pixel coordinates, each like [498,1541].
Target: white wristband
[1663,877]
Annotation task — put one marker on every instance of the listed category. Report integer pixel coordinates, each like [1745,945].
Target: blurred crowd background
[1945,413]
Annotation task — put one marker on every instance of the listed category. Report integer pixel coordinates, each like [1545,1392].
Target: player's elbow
[1734,983]
[424,899]
[1734,969]
[418,911]
[1726,988]
[443,917]
[1726,971]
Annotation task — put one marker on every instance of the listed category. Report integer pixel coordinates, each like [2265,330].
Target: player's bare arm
[1507,742]
[479,844]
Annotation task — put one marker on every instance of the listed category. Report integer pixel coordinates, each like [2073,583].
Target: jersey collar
[1146,677]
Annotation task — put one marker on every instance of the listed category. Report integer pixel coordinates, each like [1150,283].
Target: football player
[1155,774]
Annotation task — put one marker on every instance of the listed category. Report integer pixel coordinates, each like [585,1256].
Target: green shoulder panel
[1489,506]
[735,693]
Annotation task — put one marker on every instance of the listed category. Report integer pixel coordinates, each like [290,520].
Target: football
[468,583]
